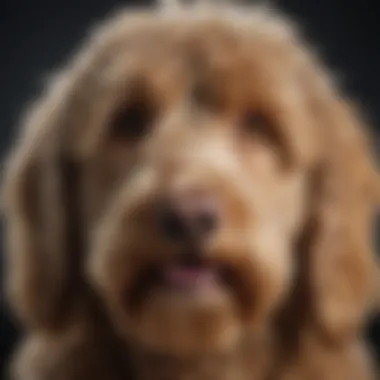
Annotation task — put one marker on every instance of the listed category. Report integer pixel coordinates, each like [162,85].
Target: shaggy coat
[226,117]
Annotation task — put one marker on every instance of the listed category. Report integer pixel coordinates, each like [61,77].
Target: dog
[192,198]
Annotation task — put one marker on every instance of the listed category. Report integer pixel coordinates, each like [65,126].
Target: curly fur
[298,196]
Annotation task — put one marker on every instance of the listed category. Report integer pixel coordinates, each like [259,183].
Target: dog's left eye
[134,120]
[255,122]
[258,125]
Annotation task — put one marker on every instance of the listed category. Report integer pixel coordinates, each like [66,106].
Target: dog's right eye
[132,121]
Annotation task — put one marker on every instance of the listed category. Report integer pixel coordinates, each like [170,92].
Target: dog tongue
[182,276]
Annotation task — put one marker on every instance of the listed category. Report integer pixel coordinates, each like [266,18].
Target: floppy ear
[41,217]
[41,189]
[340,262]
[41,193]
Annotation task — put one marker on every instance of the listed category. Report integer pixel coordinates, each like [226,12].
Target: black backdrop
[38,35]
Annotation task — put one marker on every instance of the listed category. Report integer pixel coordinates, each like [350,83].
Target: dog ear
[41,187]
[38,205]
[338,255]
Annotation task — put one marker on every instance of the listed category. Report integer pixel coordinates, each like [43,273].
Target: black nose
[189,217]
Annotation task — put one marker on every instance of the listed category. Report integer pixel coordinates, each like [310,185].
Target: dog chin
[186,326]
[183,310]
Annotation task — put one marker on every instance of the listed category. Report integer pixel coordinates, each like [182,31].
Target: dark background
[38,35]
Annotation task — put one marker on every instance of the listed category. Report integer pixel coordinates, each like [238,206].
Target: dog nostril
[171,224]
[207,222]
[187,218]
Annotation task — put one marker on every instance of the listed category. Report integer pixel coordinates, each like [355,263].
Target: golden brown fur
[238,108]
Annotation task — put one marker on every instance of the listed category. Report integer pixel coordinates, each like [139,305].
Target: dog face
[194,246]
[193,141]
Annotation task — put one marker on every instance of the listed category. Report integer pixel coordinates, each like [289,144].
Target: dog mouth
[190,276]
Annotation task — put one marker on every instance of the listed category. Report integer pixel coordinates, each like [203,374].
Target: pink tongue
[180,276]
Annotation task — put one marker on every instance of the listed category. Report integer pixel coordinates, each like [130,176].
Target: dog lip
[183,275]
[189,276]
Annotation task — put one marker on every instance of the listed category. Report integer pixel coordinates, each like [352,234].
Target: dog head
[174,167]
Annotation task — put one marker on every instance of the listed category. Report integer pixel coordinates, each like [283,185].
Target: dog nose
[188,217]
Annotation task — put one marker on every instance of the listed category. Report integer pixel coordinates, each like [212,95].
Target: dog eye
[258,125]
[133,121]
[255,122]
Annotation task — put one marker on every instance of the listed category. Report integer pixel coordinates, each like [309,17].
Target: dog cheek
[109,268]
[274,270]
